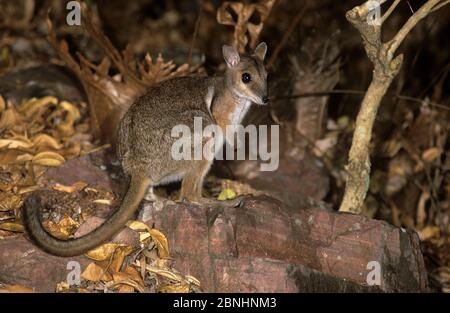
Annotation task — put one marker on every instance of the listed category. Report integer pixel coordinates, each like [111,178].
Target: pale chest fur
[241,108]
[226,109]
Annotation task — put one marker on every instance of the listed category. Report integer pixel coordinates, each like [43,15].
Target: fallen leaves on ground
[62,229]
[15,289]
[123,268]
[37,134]
[409,186]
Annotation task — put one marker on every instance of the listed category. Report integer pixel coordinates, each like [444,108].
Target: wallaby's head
[246,75]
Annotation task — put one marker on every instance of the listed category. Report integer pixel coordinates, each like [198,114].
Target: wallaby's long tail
[136,192]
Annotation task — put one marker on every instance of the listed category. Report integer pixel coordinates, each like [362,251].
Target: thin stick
[197,26]
[440,5]
[410,23]
[286,35]
[357,93]
[389,11]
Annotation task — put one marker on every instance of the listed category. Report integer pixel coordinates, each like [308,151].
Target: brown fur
[144,141]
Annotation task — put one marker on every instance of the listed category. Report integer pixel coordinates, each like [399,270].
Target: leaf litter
[46,132]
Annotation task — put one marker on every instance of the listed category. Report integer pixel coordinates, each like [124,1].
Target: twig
[389,11]
[357,93]
[196,28]
[443,71]
[409,25]
[410,7]
[286,35]
[440,5]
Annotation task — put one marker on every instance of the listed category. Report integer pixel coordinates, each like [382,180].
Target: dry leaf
[13,227]
[144,236]
[16,289]
[23,158]
[71,109]
[9,156]
[9,118]
[48,158]
[21,144]
[103,201]
[66,127]
[192,280]
[123,288]
[391,148]
[124,279]
[244,30]
[161,243]
[134,274]
[63,229]
[78,186]
[429,232]
[102,252]
[421,212]
[62,287]
[94,272]
[138,226]
[165,273]
[24,190]
[431,154]
[9,202]
[45,141]
[73,151]
[29,108]
[119,256]
[175,288]
[142,265]
[157,236]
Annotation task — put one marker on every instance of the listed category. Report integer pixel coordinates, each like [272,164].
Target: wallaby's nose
[265,99]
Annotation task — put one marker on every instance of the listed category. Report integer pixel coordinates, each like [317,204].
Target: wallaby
[145,141]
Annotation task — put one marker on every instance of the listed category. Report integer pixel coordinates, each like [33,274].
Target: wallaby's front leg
[191,187]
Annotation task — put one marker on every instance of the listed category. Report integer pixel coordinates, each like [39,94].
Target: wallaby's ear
[231,56]
[260,51]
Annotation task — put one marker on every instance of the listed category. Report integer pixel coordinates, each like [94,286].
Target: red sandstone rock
[261,246]
[22,263]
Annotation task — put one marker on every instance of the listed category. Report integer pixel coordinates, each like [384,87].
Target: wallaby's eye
[246,78]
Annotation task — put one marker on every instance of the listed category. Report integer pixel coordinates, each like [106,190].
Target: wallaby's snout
[262,92]
[246,75]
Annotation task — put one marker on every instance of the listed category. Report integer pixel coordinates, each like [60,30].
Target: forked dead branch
[386,67]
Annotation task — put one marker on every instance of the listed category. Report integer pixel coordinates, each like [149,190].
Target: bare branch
[389,11]
[386,67]
[437,7]
[411,23]
[286,35]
